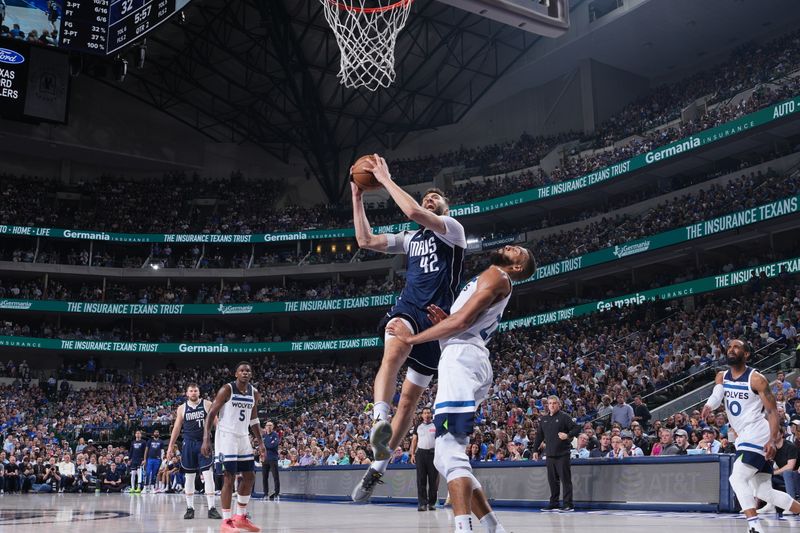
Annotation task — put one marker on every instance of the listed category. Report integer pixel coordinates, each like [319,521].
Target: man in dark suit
[271,442]
[557,431]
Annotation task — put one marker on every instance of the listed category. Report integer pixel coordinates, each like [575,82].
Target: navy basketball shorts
[424,358]
[191,458]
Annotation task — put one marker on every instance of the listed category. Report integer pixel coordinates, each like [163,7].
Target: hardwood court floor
[121,513]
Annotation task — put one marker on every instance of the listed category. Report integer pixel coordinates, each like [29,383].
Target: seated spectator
[112,482]
[709,443]
[629,449]
[399,456]
[581,452]
[604,450]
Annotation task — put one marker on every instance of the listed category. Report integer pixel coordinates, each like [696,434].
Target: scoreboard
[105,26]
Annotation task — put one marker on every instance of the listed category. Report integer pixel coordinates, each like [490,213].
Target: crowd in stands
[228,292]
[749,66]
[239,206]
[599,365]
[214,334]
[576,165]
[43,37]
[704,204]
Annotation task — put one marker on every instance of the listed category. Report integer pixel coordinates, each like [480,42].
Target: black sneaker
[422,508]
[431,507]
[213,513]
[363,491]
[567,509]
[189,514]
[549,508]
[272,496]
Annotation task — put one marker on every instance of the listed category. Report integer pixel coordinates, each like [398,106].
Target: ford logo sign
[11,57]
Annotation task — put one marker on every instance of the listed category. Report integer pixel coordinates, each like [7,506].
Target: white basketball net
[366,36]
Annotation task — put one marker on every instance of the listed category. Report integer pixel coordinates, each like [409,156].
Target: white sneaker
[769,508]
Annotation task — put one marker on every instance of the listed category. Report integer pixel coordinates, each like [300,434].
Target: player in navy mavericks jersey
[138,447]
[190,418]
[753,414]
[435,253]
[465,376]
[152,455]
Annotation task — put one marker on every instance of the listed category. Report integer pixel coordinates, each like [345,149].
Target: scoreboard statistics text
[105,26]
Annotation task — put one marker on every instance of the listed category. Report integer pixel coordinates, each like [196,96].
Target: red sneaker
[244,524]
[228,526]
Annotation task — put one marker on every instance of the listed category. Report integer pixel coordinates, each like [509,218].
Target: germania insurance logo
[11,57]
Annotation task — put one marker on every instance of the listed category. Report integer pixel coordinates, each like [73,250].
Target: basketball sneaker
[363,491]
[213,513]
[228,526]
[753,525]
[189,514]
[379,437]
[244,523]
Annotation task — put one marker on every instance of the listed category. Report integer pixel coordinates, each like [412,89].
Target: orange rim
[369,10]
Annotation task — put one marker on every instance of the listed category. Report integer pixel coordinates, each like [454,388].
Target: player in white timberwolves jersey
[465,375]
[753,415]
[236,404]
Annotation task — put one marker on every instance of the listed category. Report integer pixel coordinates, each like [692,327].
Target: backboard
[544,17]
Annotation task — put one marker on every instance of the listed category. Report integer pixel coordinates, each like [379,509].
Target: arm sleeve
[715,400]
[455,234]
[397,243]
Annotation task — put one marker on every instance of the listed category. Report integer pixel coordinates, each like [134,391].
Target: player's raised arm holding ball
[435,253]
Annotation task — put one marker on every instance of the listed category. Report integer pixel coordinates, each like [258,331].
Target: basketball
[363,178]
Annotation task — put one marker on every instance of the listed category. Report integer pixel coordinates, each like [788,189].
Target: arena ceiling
[264,71]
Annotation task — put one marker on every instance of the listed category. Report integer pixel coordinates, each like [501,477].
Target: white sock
[241,504]
[226,513]
[491,524]
[208,480]
[189,489]
[380,466]
[381,411]
[463,522]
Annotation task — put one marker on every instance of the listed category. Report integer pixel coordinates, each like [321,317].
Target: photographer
[51,481]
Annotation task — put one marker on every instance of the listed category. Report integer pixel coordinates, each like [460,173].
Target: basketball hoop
[366,32]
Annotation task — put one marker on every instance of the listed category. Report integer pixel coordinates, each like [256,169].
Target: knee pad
[451,460]
[188,484]
[762,483]
[740,478]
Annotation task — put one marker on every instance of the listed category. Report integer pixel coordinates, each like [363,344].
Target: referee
[422,444]
[557,431]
